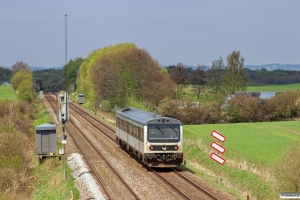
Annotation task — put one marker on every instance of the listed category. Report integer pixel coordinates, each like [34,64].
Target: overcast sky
[172,31]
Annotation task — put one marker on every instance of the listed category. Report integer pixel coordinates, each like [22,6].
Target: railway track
[184,187]
[111,181]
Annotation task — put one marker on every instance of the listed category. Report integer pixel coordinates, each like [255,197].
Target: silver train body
[155,139]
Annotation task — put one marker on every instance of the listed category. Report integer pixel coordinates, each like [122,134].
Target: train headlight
[176,147]
[151,148]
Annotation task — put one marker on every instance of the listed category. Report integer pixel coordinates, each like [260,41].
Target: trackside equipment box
[46,140]
[80,98]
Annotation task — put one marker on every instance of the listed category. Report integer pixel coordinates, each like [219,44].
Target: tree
[215,74]
[20,76]
[22,81]
[179,76]
[124,74]
[20,65]
[197,78]
[235,77]
[70,70]
[105,77]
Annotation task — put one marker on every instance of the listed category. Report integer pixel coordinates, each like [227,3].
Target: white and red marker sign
[217,158]
[218,136]
[218,147]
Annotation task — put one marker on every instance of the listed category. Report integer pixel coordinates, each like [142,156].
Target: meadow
[252,149]
[6,92]
[274,88]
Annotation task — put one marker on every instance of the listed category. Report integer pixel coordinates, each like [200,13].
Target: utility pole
[65,39]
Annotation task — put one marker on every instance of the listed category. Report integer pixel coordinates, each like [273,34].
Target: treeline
[5,75]
[254,77]
[48,79]
[278,76]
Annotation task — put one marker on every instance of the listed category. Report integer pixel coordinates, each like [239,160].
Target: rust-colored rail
[100,155]
[197,186]
[89,117]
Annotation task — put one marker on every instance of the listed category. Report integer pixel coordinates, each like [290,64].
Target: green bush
[287,170]
[105,106]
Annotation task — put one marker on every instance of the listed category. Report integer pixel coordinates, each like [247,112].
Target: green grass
[248,145]
[274,88]
[254,141]
[42,115]
[49,183]
[6,92]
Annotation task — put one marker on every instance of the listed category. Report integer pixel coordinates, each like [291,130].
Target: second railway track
[113,184]
[169,180]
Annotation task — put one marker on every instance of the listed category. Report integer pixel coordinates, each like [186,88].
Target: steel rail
[197,186]
[84,155]
[100,154]
[97,120]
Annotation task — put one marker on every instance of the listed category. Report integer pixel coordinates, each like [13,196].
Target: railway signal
[63,108]
[218,136]
[219,149]
[217,158]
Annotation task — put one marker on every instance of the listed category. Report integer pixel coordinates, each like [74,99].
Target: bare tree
[19,65]
[104,76]
[215,74]
[179,76]
[197,78]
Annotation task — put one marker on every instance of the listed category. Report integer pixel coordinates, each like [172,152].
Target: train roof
[141,116]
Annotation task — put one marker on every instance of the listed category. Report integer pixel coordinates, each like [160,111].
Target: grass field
[6,92]
[274,88]
[251,151]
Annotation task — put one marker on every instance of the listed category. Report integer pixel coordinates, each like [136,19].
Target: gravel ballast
[84,181]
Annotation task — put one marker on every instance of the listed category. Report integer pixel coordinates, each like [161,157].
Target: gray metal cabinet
[46,140]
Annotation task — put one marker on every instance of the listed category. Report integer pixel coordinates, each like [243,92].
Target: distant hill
[36,68]
[269,67]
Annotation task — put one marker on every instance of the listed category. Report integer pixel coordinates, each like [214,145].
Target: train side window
[139,133]
[118,123]
[123,125]
[135,131]
[131,129]
[127,127]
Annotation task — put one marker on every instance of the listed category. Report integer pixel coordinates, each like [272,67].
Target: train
[156,140]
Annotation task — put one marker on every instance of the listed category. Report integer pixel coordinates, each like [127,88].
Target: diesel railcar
[156,140]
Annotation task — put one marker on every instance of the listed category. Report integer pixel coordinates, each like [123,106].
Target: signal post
[63,117]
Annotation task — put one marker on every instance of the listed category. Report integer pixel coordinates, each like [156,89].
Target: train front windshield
[162,133]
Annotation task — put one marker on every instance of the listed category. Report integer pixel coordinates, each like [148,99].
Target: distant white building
[5,84]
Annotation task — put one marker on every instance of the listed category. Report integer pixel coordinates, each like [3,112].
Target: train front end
[163,142]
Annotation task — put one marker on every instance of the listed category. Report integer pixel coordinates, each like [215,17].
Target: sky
[188,31]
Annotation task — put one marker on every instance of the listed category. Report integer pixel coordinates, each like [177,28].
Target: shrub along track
[164,179]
